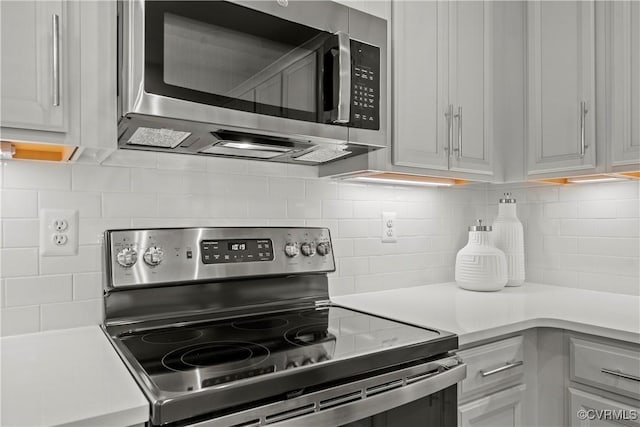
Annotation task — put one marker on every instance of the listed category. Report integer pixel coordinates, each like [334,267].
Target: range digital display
[237,246]
[232,251]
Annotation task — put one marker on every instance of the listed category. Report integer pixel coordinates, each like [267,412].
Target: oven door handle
[384,401]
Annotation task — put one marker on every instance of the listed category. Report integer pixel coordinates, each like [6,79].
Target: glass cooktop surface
[205,354]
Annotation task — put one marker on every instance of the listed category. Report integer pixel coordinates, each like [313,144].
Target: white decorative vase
[480,266]
[509,238]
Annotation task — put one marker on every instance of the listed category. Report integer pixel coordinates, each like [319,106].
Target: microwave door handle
[344,78]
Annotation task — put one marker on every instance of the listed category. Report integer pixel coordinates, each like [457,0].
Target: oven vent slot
[422,376]
[252,423]
[340,400]
[292,413]
[370,391]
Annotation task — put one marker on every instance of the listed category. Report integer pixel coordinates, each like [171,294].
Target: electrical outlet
[389,227]
[58,232]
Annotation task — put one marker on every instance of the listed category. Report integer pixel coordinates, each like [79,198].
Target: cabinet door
[471,84]
[33,69]
[588,409]
[501,409]
[420,84]
[625,83]
[561,86]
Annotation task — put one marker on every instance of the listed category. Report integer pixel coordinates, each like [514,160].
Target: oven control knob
[322,358]
[323,248]
[291,250]
[153,255]
[308,361]
[127,257]
[308,249]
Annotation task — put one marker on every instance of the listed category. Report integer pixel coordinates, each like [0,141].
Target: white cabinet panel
[420,93]
[587,410]
[625,83]
[501,409]
[443,93]
[33,68]
[561,80]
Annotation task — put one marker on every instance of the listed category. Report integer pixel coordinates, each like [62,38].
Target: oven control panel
[168,255]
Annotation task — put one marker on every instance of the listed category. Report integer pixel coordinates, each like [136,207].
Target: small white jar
[508,236]
[480,266]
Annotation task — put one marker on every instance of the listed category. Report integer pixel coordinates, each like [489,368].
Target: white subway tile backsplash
[337,209]
[286,188]
[582,236]
[88,259]
[156,181]
[18,203]
[301,208]
[321,189]
[19,320]
[348,228]
[36,175]
[18,262]
[20,233]
[87,286]
[596,209]
[88,204]
[181,162]
[100,178]
[127,205]
[37,290]
[91,230]
[71,314]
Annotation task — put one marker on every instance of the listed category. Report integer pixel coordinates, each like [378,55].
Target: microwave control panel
[365,86]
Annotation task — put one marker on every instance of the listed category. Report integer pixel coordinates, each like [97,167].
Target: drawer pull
[620,374]
[501,369]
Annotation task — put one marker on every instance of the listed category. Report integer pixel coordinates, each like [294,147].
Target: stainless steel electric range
[234,327]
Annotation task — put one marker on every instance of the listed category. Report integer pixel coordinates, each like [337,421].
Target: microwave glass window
[231,56]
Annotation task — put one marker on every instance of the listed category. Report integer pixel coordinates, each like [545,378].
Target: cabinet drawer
[588,409]
[491,364]
[607,366]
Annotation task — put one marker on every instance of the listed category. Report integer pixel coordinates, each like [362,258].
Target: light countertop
[476,316]
[75,377]
[72,377]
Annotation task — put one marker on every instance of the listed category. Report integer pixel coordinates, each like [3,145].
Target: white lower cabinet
[493,393]
[501,409]
[587,409]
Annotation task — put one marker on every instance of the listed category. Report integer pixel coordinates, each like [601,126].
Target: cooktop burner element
[205,336]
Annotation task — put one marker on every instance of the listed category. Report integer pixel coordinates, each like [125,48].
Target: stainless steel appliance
[288,80]
[233,327]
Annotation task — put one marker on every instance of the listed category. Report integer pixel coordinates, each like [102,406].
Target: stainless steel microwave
[287,81]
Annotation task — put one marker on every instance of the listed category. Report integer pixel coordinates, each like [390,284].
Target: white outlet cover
[389,227]
[48,232]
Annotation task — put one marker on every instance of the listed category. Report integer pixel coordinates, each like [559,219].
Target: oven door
[252,64]
[420,396]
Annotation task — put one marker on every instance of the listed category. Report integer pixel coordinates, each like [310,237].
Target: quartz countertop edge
[71,377]
[477,316]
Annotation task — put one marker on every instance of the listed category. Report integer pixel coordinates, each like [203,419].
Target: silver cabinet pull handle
[459,117]
[344,90]
[501,369]
[583,113]
[55,26]
[449,115]
[620,374]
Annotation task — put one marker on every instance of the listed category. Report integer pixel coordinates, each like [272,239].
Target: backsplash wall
[140,189]
[584,236]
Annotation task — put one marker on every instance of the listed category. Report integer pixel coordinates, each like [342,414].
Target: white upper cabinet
[59,72]
[561,87]
[625,85]
[443,85]
[35,70]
